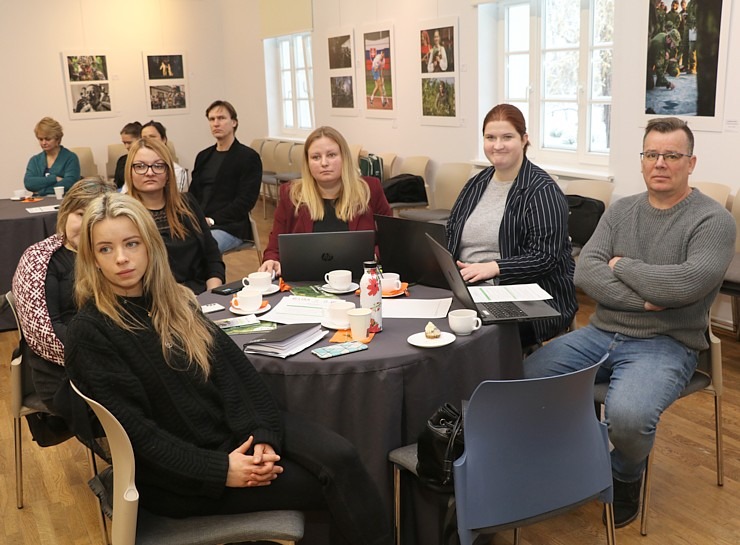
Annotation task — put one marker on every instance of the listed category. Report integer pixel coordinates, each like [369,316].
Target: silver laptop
[489,313]
[309,256]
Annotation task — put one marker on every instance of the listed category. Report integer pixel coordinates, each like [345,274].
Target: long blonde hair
[354,194]
[175,312]
[175,206]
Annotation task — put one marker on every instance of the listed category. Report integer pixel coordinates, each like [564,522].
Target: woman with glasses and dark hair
[43,286]
[194,256]
[155,130]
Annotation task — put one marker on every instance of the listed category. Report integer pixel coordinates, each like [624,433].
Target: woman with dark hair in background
[130,133]
[154,129]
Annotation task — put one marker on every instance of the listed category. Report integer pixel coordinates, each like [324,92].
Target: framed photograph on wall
[439,73]
[686,53]
[88,86]
[165,84]
[342,73]
[378,71]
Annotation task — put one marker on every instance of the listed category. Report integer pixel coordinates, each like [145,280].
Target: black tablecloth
[380,398]
[19,230]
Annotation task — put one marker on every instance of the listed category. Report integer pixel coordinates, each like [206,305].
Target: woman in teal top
[55,165]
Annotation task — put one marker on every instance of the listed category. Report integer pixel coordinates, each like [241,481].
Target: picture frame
[697,98]
[88,85]
[378,70]
[165,84]
[438,71]
[342,79]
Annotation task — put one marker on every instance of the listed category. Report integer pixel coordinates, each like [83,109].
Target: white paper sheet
[416,308]
[297,310]
[513,292]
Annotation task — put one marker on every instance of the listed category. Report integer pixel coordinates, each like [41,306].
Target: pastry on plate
[431,331]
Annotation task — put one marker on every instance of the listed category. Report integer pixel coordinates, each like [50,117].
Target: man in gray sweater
[654,266]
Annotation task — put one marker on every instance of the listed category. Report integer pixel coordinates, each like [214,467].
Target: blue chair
[533,449]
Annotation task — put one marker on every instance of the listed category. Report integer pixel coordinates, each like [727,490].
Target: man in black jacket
[226,179]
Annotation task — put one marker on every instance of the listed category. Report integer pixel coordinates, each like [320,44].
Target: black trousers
[322,470]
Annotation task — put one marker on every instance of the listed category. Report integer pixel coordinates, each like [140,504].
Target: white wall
[222,41]
[223,54]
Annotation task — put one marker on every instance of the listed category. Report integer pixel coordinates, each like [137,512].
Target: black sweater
[182,428]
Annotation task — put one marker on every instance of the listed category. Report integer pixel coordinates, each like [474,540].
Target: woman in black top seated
[207,434]
[193,252]
[130,133]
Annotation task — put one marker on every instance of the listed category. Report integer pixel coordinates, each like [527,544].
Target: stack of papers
[285,341]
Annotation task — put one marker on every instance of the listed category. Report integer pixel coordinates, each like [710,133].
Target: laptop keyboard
[504,310]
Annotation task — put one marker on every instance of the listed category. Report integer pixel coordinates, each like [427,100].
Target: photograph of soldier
[438,97]
[683,46]
[91,97]
[167,97]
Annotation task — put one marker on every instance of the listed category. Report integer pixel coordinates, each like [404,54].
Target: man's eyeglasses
[669,157]
[143,168]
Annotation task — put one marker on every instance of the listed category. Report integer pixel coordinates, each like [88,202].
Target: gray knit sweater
[673,258]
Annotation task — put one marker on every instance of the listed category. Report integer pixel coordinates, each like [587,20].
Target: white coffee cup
[390,282]
[247,300]
[359,322]
[59,192]
[339,280]
[19,193]
[258,280]
[463,321]
[336,313]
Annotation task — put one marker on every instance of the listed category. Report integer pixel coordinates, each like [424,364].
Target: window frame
[534,102]
[278,105]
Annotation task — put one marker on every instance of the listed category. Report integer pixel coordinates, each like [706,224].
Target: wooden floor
[687,506]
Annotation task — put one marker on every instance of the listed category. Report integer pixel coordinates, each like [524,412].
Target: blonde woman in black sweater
[207,434]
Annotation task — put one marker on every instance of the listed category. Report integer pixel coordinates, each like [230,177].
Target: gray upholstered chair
[135,526]
[253,244]
[448,181]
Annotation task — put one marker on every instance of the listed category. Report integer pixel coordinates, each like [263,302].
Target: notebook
[489,313]
[404,250]
[309,256]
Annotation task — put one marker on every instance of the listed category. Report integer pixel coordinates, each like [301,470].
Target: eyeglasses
[669,157]
[143,168]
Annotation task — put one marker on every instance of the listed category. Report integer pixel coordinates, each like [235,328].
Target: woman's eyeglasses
[143,168]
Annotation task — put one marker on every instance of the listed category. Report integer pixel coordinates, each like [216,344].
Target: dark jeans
[322,470]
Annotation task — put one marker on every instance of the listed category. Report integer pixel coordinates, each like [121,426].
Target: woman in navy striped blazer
[510,223]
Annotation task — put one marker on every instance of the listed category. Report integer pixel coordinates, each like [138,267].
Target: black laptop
[404,250]
[490,313]
[309,256]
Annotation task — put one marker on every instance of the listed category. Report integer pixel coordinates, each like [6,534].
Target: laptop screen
[309,256]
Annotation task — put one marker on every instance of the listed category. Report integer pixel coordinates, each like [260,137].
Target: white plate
[421,340]
[352,287]
[331,325]
[16,198]
[243,313]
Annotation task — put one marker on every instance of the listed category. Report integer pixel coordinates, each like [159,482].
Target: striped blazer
[533,239]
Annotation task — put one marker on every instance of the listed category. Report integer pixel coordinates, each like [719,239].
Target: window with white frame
[291,60]
[556,62]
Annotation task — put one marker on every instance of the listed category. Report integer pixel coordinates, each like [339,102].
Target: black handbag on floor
[440,444]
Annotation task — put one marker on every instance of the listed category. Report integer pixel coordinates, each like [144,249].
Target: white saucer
[274,288]
[331,325]
[243,313]
[420,340]
[352,287]
[392,294]
[16,198]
